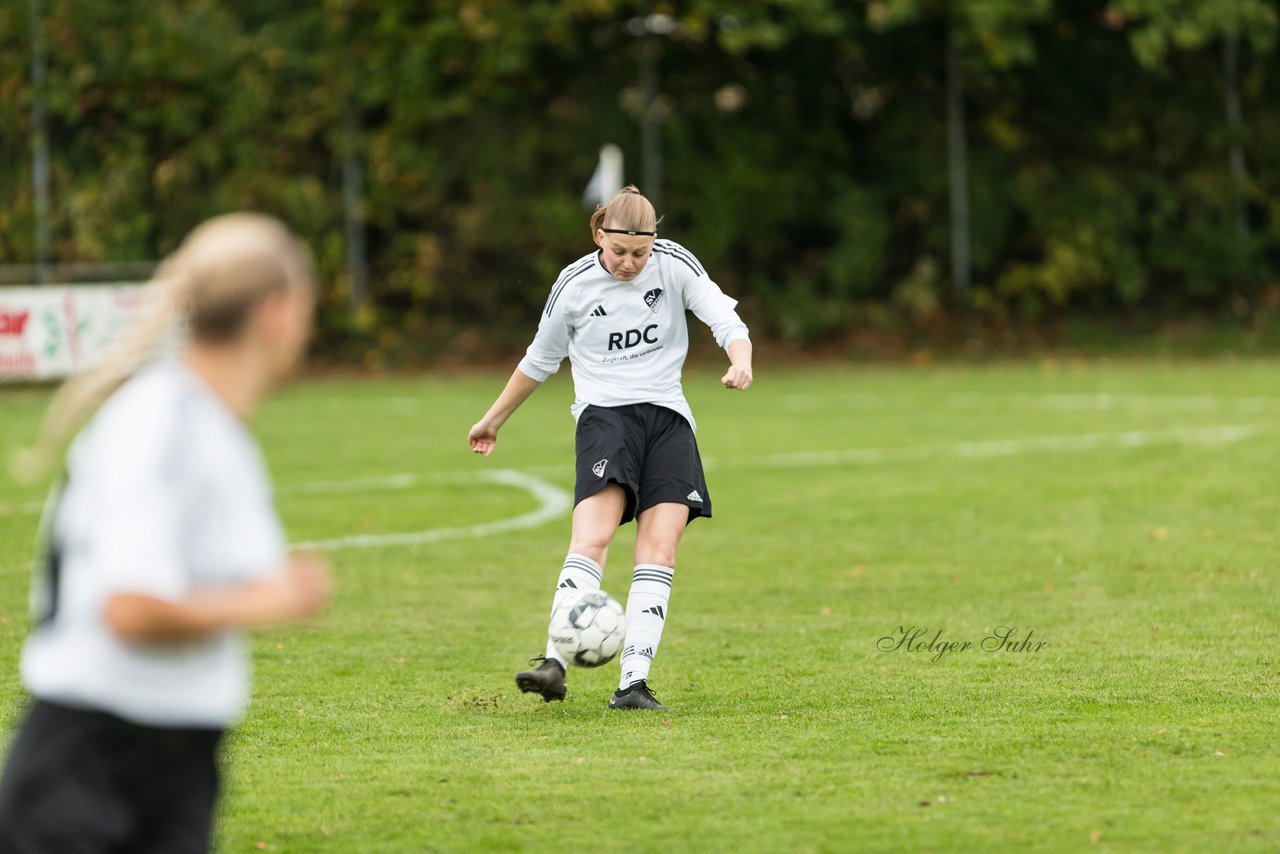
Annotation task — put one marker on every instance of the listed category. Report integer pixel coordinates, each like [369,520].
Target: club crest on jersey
[652,298]
[598,468]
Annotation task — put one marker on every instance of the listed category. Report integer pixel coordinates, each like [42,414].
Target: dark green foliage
[805,143]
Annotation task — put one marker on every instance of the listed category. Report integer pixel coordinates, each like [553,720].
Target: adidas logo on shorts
[598,469]
[694,496]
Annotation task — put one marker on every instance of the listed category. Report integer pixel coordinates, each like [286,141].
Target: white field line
[553,502]
[1031,402]
[346,486]
[1106,402]
[1222,434]
[21,508]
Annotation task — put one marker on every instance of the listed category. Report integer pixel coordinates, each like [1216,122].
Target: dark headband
[629,231]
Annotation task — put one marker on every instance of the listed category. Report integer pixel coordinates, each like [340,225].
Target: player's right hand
[482,438]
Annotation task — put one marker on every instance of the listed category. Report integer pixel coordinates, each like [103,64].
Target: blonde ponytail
[629,210]
[204,290]
[83,393]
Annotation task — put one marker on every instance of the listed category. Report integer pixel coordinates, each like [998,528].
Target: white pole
[610,171]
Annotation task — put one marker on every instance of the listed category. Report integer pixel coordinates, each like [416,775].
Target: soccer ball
[588,628]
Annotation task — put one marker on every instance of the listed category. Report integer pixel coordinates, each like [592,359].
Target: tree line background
[1112,157]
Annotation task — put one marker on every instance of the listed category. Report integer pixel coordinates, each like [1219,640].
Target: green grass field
[1124,513]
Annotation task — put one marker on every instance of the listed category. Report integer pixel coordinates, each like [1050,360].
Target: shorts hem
[696,511]
[629,511]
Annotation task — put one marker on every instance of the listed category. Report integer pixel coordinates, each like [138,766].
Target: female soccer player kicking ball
[161,544]
[619,315]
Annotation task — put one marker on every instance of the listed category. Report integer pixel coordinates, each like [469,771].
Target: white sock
[646,614]
[580,573]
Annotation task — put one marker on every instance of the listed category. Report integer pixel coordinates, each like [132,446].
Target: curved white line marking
[553,502]
[1217,434]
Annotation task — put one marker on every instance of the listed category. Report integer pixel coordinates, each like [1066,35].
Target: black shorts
[648,450]
[81,781]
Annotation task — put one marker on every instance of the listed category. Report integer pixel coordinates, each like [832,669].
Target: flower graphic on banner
[54,338]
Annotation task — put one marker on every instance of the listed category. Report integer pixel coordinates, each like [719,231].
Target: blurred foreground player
[160,545]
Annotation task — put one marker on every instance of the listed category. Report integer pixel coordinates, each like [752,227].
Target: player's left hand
[739,378]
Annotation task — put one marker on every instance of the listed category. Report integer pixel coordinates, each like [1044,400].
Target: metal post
[650,125]
[649,31]
[39,141]
[353,212]
[957,168]
[1235,132]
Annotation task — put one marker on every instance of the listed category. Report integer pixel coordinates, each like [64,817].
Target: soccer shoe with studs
[638,696]
[546,679]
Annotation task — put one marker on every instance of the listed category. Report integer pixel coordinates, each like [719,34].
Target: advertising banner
[51,332]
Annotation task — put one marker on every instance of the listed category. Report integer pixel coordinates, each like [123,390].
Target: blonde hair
[629,209]
[211,284]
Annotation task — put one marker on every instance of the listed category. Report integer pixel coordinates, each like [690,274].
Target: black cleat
[638,696]
[547,679]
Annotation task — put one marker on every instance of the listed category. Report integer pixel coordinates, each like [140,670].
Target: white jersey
[166,494]
[627,341]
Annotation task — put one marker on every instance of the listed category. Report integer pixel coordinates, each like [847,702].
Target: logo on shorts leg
[694,496]
[598,468]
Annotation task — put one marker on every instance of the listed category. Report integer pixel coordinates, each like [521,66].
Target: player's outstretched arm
[298,591]
[484,435]
[739,375]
